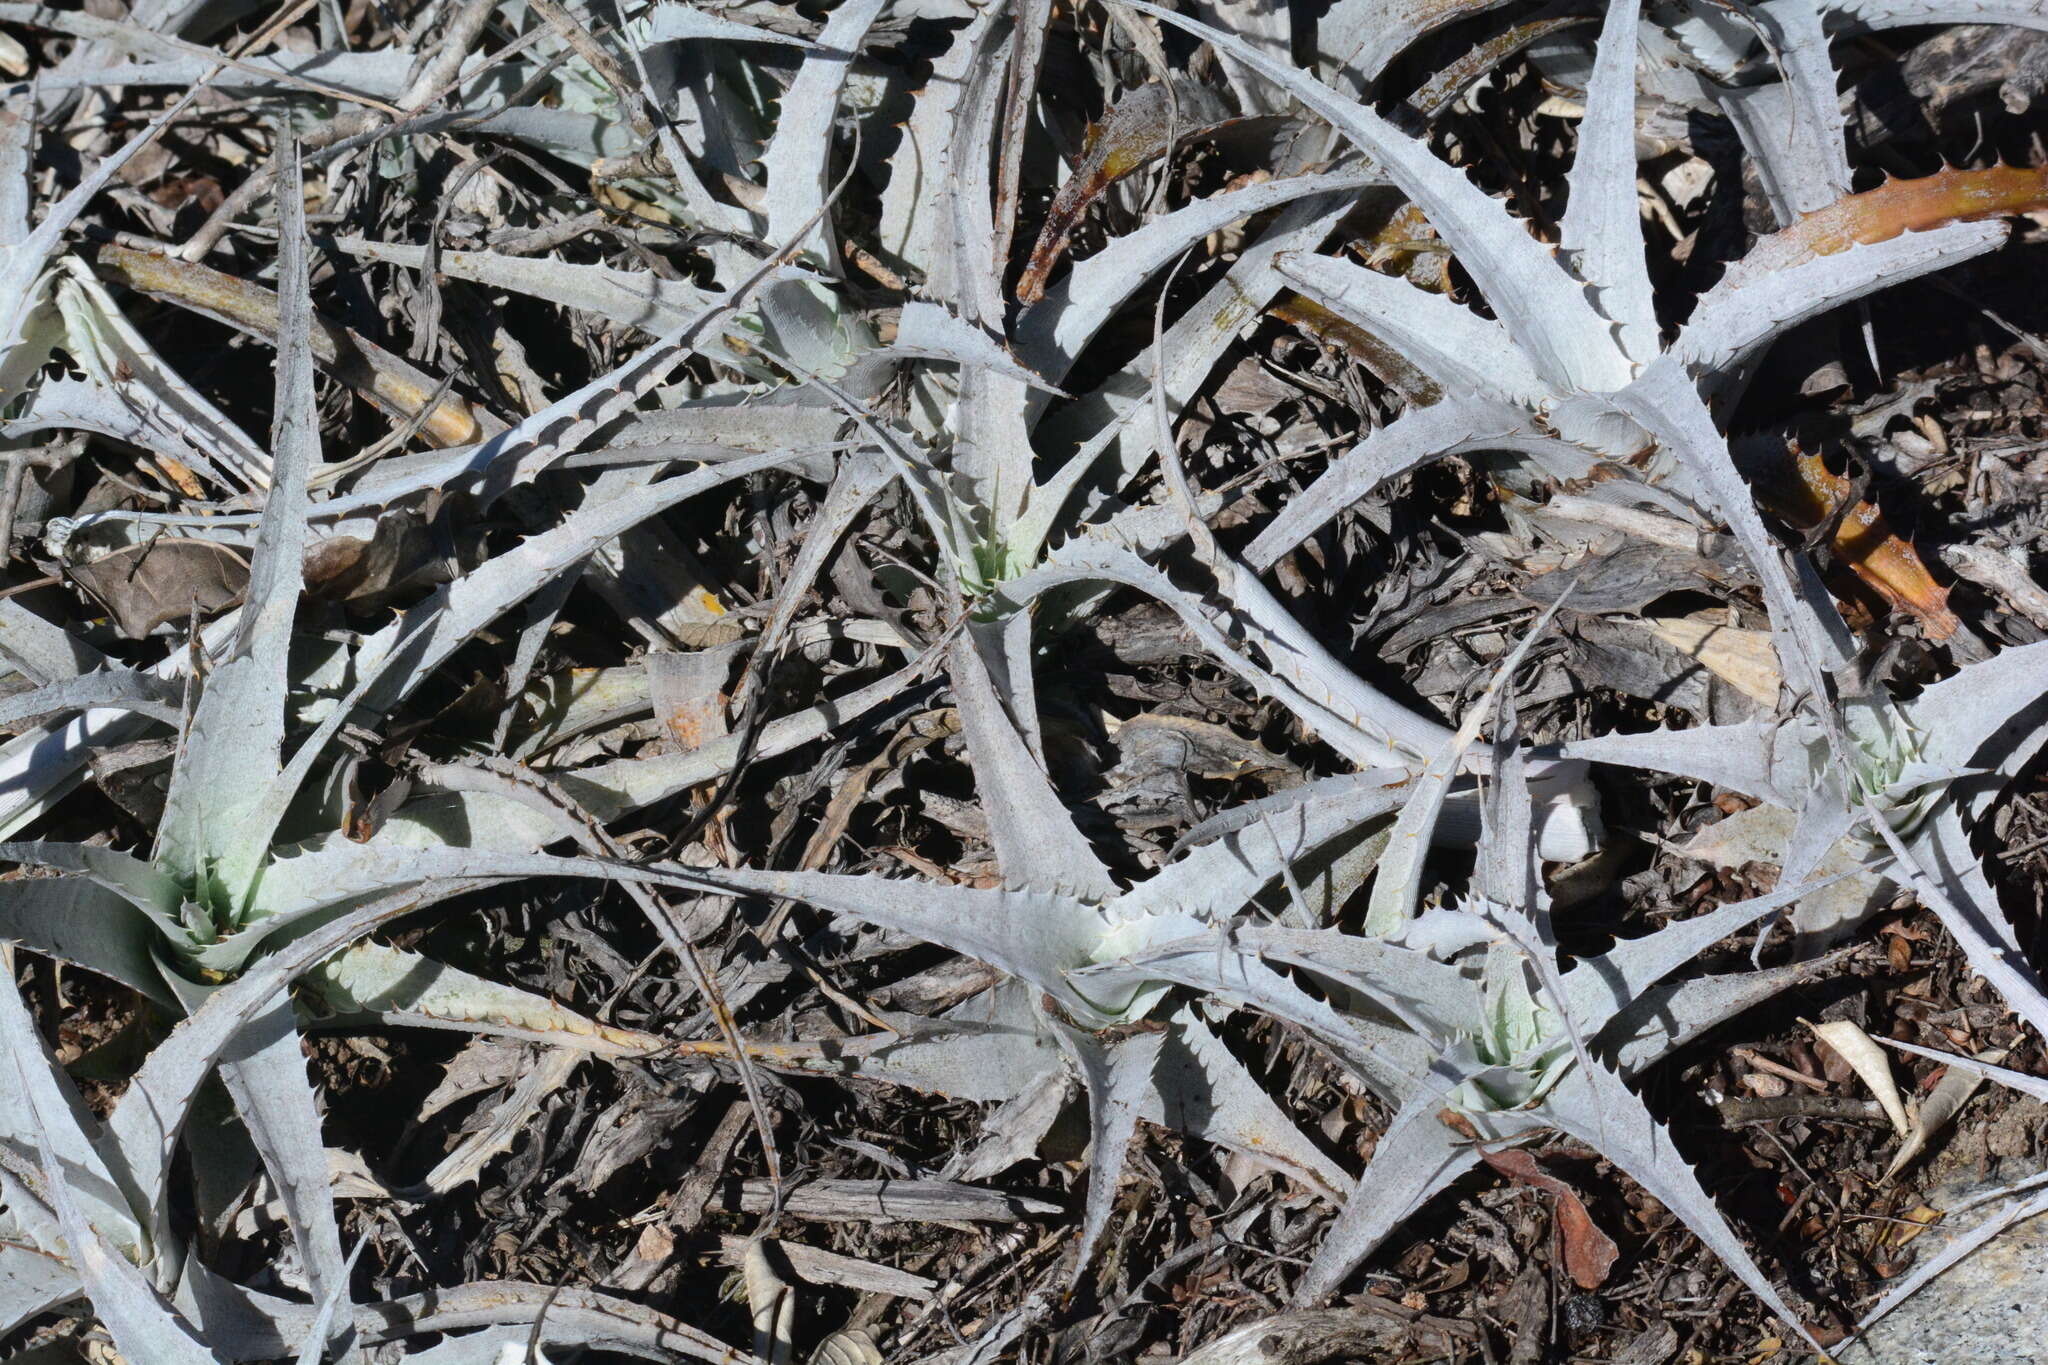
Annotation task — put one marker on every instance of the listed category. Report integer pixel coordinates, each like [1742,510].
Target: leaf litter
[916,681]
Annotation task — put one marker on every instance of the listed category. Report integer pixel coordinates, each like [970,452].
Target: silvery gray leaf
[265,1071]
[1416,1159]
[1118,1079]
[1202,1089]
[1539,302]
[1594,1106]
[1602,230]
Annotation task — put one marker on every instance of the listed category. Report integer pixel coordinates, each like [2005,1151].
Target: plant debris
[927,681]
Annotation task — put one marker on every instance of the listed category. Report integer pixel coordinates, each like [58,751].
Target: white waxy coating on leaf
[1602,230]
[1538,300]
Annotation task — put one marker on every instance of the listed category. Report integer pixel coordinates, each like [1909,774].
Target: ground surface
[645,1177]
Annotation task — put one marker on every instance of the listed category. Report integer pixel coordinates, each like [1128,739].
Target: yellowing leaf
[1744,659]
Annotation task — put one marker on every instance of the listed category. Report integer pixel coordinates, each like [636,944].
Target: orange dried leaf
[1949,196]
[1883,561]
[1589,1253]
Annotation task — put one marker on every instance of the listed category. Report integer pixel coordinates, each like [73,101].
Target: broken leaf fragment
[1935,1113]
[1744,659]
[1863,540]
[1382,359]
[1871,1065]
[771,1303]
[689,692]
[1139,130]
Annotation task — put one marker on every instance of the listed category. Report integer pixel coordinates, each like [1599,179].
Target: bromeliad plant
[1919,771]
[88,1204]
[1465,1011]
[222,911]
[200,889]
[1579,329]
[1499,1044]
[178,925]
[211,893]
[1574,372]
[1576,348]
[1571,375]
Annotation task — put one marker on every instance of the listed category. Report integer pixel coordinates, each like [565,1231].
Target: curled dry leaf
[1382,358]
[852,1347]
[1871,1064]
[401,552]
[1399,245]
[1589,1253]
[1901,206]
[771,1302]
[494,1134]
[1951,1093]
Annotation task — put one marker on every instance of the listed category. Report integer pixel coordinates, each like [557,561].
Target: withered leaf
[144,586]
[1135,132]
[351,569]
[1863,541]
[136,775]
[689,692]
[1589,1253]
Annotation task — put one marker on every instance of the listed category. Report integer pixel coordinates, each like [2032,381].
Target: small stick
[1749,1109]
[379,376]
[1762,1063]
[19,462]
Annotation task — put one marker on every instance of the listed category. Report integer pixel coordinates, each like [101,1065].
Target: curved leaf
[1767,293]
[1465,354]
[1541,304]
[1037,845]
[219,813]
[127,689]
[399,987]
[1794,129]
[1415,1160]
[76,920]
[1455,426]
[265,1072]
[1201,1088]
[1052,334]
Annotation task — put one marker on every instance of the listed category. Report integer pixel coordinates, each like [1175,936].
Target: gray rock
[1992,1306]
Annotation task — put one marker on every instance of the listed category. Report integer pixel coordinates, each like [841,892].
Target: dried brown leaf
[145,586]
[1589,1253]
